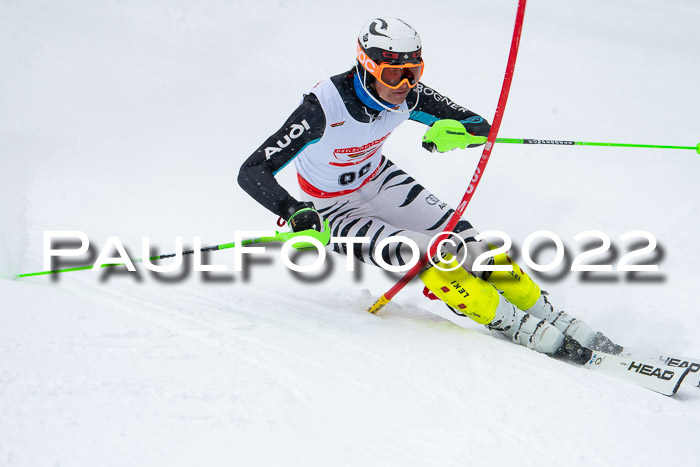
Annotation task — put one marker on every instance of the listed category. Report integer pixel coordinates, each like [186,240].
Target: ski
[662,378]
[692,364]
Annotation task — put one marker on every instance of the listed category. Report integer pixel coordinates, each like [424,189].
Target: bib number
[349,177]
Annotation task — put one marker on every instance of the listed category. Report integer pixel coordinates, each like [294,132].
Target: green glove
[446,135]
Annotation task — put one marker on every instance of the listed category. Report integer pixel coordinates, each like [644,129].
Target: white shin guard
[567,324]
[526,329]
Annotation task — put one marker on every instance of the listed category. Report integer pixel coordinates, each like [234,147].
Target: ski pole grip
[474,139]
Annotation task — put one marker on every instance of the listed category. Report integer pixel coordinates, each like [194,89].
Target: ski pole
[482,140]
[478,173]
[324,237]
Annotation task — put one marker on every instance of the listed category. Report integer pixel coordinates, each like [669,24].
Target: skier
[335,139]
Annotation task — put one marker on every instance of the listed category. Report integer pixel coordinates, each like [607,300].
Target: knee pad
[516,285]
[463,292]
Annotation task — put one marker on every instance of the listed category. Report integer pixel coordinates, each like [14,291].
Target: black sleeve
[257,175]
[433,106]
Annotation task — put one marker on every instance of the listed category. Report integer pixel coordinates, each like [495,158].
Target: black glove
[430,146]
[305,217]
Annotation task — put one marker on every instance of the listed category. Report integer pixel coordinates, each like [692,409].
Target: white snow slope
[131,119]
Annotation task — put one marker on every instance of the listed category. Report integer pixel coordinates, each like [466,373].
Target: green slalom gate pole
[482,140]
[324,237]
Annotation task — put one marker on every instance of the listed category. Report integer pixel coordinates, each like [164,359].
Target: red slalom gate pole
[478,173]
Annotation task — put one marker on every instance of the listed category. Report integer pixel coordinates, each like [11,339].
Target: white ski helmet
[390,40]
[390,51]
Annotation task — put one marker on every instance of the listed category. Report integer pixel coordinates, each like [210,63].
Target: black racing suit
[257,174]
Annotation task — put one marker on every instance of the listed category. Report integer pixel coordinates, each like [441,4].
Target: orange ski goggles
[391,76]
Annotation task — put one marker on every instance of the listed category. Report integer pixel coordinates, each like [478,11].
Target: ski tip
[680,380]
[663,379]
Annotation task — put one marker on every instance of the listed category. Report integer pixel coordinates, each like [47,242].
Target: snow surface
[130,119]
